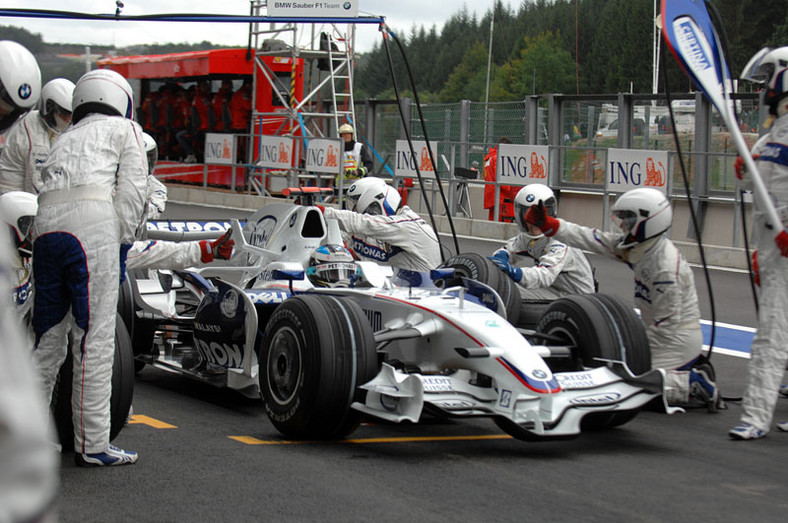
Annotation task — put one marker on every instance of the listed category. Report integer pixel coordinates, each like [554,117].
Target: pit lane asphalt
[655,468]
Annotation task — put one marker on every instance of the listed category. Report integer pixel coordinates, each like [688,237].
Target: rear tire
[316,353]
[122,389]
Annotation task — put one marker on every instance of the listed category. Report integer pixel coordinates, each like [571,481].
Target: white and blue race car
[389,345]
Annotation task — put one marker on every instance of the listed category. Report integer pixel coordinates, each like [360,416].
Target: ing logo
[538,167]
[331,157]
[426,164]
[655,176]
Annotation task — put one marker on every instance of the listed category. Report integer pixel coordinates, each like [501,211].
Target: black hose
[429,147]
[386,33]
[691,207]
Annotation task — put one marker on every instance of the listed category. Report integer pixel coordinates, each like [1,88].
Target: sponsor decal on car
[436,384]
[575,380]
[605,398]
[267,297]
[222,354]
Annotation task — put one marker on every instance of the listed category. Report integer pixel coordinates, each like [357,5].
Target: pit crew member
[558,269]
[664,286]
[91,205]
[379,228]
[28,142]
[769,350]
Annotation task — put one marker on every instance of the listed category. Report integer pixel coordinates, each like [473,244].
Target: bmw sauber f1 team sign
[326,9]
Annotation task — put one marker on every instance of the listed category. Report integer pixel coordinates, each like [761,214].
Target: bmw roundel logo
[346,5]
[25,91]
[529,198]
[539,373]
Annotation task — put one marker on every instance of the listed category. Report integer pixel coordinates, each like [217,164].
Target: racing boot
[745,431]
[784,390]
[783,426]
[112,457]
[703,388]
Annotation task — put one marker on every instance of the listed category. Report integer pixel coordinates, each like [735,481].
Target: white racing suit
[28,461]
[769,351]
[664,293]
[92,200]
[404,241]
[26,148]
[558,269]
[153,254]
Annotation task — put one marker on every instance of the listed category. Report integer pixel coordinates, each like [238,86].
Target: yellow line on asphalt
[145,420]
[249,440]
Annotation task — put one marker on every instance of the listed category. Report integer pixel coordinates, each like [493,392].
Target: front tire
[316,353]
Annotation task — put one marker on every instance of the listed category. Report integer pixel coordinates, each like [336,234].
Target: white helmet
[372,195]
[641,214]
[20,82]
[18,210]
[103,91]
[531,195]
[55,105]
[770,67]
[151,150]
[345,128]
[331,266]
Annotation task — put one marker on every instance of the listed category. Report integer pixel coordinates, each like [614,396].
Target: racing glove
[782,242]
[221,248]
[756,275]
[501,254]
[124,252]
[514,273]
[537,216]
[740,168]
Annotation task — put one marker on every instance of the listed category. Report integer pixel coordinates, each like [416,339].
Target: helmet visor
[756,70]
[352,202]
[335,274]
[625,221]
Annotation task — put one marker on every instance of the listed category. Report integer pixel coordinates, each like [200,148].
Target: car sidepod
[225,331]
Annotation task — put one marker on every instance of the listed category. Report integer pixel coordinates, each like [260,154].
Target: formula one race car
[384,343]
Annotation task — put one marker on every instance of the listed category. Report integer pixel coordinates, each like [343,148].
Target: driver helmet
[641,214]
[102,91]
[770,68]
[373,196]
[55,105]
[20,82]
[531,195]
[18,209]
[331,266]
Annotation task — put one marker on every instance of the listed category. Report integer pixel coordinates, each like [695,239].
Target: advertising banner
[632,168]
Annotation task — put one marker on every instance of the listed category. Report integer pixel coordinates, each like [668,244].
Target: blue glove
[124,251]
[514,273]
[501,254]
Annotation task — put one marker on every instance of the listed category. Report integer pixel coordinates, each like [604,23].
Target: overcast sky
[400,15]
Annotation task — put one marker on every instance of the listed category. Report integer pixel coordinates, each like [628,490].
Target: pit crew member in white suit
[29,140]
[769,350]
[379,228]
[28,462]
[664,286]
[558,269]
[91,205]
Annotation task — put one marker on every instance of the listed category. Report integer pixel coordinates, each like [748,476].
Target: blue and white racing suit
[92,200]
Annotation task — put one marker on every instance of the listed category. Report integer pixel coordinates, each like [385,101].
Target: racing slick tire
[141,331]
[598,326]
[477,267]
[122,389]
[316,352]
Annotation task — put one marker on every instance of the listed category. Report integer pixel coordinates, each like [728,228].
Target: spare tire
[477,267]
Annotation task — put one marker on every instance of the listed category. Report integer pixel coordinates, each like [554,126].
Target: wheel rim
[284,366]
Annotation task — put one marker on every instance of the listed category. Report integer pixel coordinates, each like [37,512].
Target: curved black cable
[691,207]
[386,33]
[429,147]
